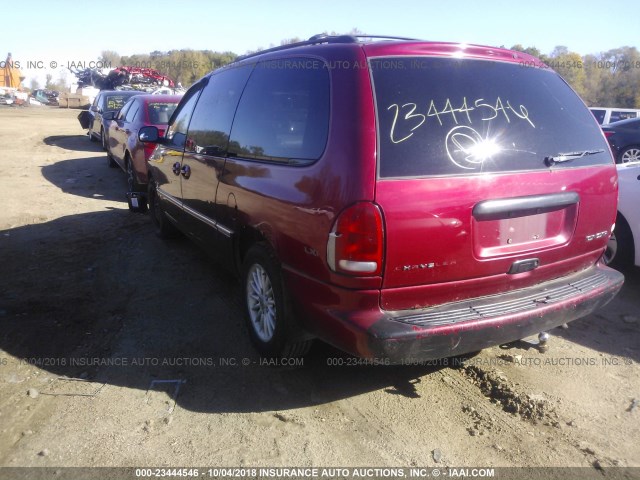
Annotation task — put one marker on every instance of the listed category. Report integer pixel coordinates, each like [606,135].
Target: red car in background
[124,149]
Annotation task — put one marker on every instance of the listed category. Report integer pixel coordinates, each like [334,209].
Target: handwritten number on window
[410,115]
[412,120]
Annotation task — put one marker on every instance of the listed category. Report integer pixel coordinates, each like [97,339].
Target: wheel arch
[247,237]
[634,241]
[624,229]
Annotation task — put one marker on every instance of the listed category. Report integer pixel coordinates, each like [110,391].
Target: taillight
[356,241]
[148,150]
[608,134]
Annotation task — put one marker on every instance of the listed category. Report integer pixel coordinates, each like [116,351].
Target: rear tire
[103,140]
[111,163]
[163,226]
[267,309]
[134,186]
[132,180]
[620,251]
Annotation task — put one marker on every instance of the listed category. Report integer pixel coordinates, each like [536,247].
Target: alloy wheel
[261,303]
[631,155]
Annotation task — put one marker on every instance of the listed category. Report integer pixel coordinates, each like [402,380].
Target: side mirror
[109,115]
[94,108]
[149,135]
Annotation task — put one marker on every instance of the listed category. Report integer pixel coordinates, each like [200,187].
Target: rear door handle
[186,171]
[520,206]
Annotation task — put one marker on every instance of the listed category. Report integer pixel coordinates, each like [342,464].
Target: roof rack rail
[387,37]
[323,38]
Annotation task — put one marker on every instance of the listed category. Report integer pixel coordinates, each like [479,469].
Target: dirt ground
[120,349]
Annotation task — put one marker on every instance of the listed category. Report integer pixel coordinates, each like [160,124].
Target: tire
[103,140]
[132,180]
[267,308]
[111,163]
[620,251]
[629,154]
[163,226]
[91,137]
[134,186]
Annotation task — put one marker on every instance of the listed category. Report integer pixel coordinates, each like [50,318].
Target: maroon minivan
[402,200]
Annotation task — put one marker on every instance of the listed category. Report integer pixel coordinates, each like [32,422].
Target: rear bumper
[461,327]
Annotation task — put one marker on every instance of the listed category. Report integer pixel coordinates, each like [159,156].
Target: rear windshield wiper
[567,157]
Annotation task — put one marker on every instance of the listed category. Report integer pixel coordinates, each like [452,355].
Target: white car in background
[606,115]
[623,249]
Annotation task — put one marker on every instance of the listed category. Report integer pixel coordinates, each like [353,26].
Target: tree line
[606,79]
[186,66]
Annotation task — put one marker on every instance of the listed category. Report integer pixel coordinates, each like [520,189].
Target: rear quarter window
[443,116]
[130,115]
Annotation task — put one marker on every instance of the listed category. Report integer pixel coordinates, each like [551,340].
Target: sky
[54,35]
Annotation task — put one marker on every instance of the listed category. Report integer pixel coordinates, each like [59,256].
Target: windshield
[442,116]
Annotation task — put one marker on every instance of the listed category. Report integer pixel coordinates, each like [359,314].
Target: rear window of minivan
[444,116]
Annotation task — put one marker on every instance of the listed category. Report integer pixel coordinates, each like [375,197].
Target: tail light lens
[148,150]
[355,243]
[608,133]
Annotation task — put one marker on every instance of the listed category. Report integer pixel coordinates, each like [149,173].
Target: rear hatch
[492,176]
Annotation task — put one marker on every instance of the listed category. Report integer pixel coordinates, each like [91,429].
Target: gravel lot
[120,349]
